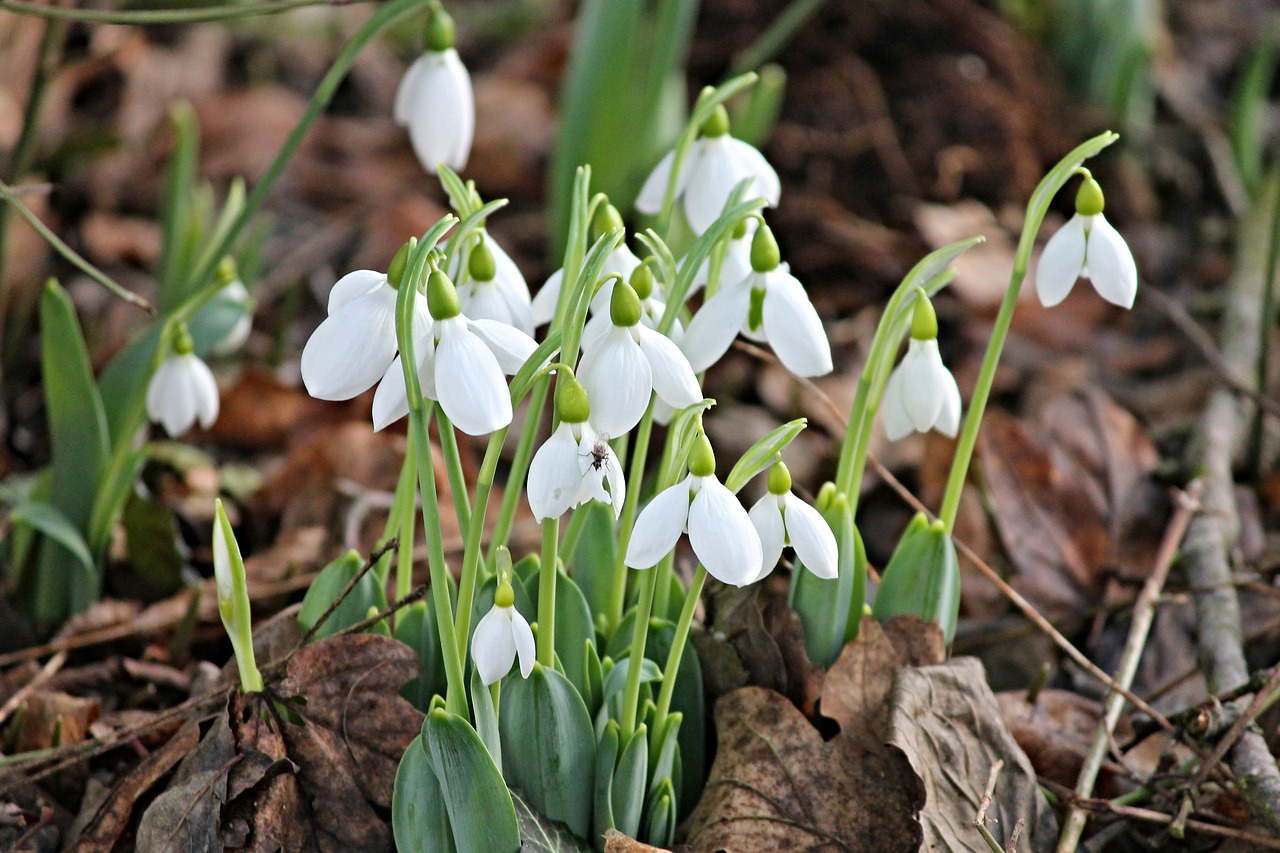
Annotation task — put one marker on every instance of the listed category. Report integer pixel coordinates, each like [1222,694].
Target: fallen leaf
[1055,732]
[616,842]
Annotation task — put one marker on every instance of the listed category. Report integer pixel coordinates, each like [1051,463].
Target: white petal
[354,284]
[896,423]
[509,345]
[205,388]
[481,300]
[405,94]
[522,634]
[713,172]
[659,526]
[766,516]
[617,483]
[923,383]
[594,330]
[1110,264]
[618,380]
[171,398]
[654,190]
[514,289]
[673,378]
[493,646]
[793,328]
[809,533]
[722,535]
[751,162]
[544,301]
[391,401]
[441,114]
[351,349]
[554,475]
[948,422]
[1061,262]
[469,381]
[714,327]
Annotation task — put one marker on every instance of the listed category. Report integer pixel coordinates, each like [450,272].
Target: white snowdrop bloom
[652,307]
[435,100]
[716,163]
[782,519]
[921,393]
[1089,247]
[182,390]
[233,295]
[572,467]
[770,306]
[461,363]
[495,289]
[720,531]
[737,259]
[621,261]
[500,636]
[628,363]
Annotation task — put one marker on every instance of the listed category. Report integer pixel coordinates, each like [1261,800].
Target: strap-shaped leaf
[629,780]
[760,455]
[831,609]
[50,521]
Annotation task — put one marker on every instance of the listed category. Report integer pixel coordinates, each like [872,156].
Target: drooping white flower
[621,261]
[720,531]
[435,100]
[624,366]
[182,390]
[495,289]
[769,306]
[921,393]
[652,307]
[716,163]
[500,636]
[1089,247]
[572,467]
[461,363]
[782,519]
[233,295]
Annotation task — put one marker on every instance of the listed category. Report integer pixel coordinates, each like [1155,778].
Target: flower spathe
[1087,247]
[501,636]
[720,531]
[782,520]
[572,467]
[182,392]
[921,394]
[436,103]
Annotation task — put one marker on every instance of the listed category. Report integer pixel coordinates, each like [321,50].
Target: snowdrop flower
[435,101]
[576,463]
[921,393]
[651,307]
[501,635]
[783,519]
[720,531]
[716,163]
[1087,246]
[737,258]
[621,262]
[183,389]
[235,296]
[769,306]
[495,289]
[627,363]
[351,349]
[460,363]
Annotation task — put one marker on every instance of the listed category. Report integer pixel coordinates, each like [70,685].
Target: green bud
[481,264]
[826,495]
[400,263]
[182,343]
[764,250]
[606,219]
[922,577]
[440,31]
[442,296]
[717,124]
[505,596]
[924,322]
[227,271]
[1089,198]
[702,459]
[642,281]
[571,399]
[624,305]
[779,479]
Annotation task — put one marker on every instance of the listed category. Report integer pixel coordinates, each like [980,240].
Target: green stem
[402,512]
[635,657]
[156,16]
[630,508]
[678,643]
[453,465]
[519,468]
[547,593]
[474,547]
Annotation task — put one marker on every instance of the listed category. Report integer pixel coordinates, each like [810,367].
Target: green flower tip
[505,596]
[606,219]
[1089,198]
[764,250]
[481,264]
[717,124]
[779,479]
[182,343]
[702,459]
[825,495]
[642,281]
[624,305]
[440,31]
[227,271]
[400,263]
[442,296]
[924,322]
[571,399]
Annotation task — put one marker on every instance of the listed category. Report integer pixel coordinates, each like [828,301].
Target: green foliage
[366,595]
[831,609]
[922,577]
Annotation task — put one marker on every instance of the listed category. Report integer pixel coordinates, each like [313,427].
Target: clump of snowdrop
[921,393]
[435,100]
[502,635]
[182,390]
[715,165]
[782,519]
[1087,247]
[621,262]
[720,531]
[769,305]
[625,364]
[494,288]
[576,463]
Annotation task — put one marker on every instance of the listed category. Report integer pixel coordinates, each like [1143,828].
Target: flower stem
[577,521]
[219,12]
[519,468]
[635,657]
[547,593]
[402,522]
[473,549]
[678,643]
[453,465]
[635,478]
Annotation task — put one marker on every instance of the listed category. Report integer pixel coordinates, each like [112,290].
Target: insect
[599,451]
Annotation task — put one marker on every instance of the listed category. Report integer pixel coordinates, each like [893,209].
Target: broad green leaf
[486,715]
[594,554]
[922,577]
[629,783]
[416,628]
[155,560]
[122,473]
[124,382]
[177,243]
[50,521]
[830,609]
[661,815]
[419,817]
[367,594]
[574,627]
[760,455]
[606,761]
[548,746]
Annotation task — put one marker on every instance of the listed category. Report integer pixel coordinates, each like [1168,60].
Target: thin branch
[223,12]
[980,820]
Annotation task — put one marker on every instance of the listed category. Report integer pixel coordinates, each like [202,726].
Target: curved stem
[678,643]
[157,16]
[630,507]
[519,468]
[635,657]
[547,593]
[453,465]
[401,522]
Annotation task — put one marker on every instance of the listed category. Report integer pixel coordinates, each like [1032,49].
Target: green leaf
[155,561]
[606,761]
[324,591]
[548,746]
[760,455]
[419,817]
[922,577]
[50,521]
[486,718]
[416,628]
[574,627]
[661,815]
[124,382]
[627,796]
[539,835]
[593,695]
[177,249]
[831,608]
[594,552]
